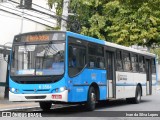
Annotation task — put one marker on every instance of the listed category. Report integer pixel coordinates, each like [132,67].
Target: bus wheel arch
[96,90]
[92,96]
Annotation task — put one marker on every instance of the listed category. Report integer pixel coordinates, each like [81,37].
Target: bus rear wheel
[91,99]
[137,98]
[45,105]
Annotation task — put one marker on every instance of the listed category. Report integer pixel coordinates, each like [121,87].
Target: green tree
[125,22]
[135,22]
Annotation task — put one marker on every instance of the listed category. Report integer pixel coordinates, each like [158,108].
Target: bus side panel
[79,85]
[141,79]
[103,89]
[103,92]
[126,83]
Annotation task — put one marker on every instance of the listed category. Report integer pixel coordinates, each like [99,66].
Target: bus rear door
[149,81]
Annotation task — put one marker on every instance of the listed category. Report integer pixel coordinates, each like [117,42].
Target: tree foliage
[125,22]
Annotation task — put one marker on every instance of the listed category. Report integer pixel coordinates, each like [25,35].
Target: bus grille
[36,79]
[35,97]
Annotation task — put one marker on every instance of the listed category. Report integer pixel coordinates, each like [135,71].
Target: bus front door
[149,81]
[111,83]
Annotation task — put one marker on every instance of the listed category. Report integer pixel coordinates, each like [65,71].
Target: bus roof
[102,42]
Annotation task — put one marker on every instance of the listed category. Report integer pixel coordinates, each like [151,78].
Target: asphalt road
[114,110]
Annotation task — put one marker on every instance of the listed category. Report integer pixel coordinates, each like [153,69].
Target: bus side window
[126,61]
[141,64]
[134,59]
[92,61]
[119,60]
[77,59]
[153,66]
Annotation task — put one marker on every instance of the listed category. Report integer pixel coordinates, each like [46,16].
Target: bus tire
[91,99]
[45,105]
[137,98]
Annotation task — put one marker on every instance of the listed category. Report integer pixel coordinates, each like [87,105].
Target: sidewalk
[5,104]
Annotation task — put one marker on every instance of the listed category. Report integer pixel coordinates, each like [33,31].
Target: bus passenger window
[153,66]
[92,62]
[134,59]
[127,63]
[100,62]
[141,64]
[119,60]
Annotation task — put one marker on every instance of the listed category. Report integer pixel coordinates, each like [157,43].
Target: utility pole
[64,15]
[22,20]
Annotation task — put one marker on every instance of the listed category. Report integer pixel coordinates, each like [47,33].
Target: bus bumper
[62,97]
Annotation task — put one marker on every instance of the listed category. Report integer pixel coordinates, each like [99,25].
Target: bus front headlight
[62,89]
[13,90]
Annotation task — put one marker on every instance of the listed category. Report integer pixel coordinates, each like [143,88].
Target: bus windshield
[38,59]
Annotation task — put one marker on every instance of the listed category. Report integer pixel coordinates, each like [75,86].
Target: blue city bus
[59,67]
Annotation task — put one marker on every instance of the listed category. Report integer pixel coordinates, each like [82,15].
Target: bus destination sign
[35,38]
[39,37]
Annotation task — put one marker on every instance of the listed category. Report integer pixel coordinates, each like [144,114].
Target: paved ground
[5,104]
[149,103]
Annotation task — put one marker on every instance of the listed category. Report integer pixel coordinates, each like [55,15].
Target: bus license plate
[57,96]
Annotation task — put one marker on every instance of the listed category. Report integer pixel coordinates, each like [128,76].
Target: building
[14,20]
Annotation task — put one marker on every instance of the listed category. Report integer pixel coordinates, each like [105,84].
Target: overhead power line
[53,16]
[27,14]
[25,17]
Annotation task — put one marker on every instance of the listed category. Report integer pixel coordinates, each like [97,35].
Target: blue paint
[84,80]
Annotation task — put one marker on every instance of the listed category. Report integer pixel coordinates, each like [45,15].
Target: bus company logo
[122,77]
[6,114]
[93,76]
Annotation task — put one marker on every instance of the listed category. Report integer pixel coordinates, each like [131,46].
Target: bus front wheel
[45,105]
[91,99]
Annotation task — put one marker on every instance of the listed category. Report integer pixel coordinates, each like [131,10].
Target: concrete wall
[10,25]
